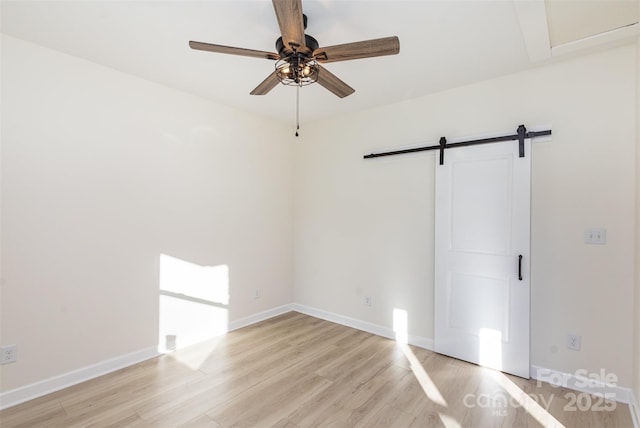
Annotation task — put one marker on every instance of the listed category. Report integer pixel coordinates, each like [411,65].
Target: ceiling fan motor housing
[310,42]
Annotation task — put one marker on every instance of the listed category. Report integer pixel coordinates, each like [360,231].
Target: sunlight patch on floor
[430,388]
[524,400]
[449,421]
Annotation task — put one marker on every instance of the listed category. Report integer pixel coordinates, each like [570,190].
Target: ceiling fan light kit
[299,55]
[298,72]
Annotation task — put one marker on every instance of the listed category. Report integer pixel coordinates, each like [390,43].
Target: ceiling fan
[299,55]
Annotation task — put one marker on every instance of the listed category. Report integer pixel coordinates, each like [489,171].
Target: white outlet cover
[8,354]
[573,341]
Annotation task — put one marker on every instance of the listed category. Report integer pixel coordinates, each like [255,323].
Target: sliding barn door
[482,256]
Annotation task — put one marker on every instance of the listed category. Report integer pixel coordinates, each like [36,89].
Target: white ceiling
[443,44]
[569,21]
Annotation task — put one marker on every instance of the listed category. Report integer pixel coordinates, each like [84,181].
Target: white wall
[637,260]
[102,173]
[365,227]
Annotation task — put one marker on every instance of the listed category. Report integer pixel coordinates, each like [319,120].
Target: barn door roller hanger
[520,135]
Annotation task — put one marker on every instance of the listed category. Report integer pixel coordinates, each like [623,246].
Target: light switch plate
[595,236]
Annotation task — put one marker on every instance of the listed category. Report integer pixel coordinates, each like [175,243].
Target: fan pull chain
[297,109]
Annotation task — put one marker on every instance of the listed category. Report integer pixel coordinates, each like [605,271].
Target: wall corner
[636,338]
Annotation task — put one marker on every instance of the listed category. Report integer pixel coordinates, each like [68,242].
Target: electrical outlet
[367,300]
[573,341]
[257,293]
[170,341]
[8,354]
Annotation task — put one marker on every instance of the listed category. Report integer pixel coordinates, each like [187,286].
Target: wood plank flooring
[298,371]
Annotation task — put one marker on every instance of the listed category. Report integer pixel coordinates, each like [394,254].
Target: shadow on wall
[193,301]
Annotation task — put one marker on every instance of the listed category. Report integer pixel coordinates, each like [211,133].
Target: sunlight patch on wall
[400,326]
[193,302]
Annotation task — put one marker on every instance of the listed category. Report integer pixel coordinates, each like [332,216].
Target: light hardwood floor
[298,371]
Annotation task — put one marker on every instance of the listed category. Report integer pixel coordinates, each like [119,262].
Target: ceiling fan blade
[332,83]
[290,20]
[267,84]
[232,51]
[356,50]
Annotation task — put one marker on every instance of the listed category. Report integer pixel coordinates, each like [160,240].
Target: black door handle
[520,267]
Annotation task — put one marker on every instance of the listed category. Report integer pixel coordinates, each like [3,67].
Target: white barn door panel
[482,256]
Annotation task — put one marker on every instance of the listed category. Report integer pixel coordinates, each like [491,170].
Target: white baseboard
[580,383]
[56,383]
[261,316]
[574,382]
[570,381]
[634,407]
[419,341]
